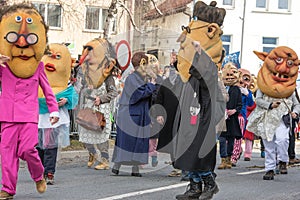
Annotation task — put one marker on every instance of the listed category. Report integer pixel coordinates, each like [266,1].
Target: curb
[72,154]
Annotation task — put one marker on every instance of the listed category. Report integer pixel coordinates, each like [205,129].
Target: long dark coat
[232,122]
[195,145]
[155,126]
[133,122]
[168,97]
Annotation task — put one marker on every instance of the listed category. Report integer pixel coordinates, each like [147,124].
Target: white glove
[244,91]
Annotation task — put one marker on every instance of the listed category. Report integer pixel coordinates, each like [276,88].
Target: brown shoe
[5,195]
[41,186]
[282,168]
[92,159]
[223,164]
[175,173]
[294,161]
[103,165]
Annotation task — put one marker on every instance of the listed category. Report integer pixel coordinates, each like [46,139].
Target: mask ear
[261,55]
[212,30]
[143,62]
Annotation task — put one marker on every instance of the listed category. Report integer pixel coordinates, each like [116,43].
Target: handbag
[91,119]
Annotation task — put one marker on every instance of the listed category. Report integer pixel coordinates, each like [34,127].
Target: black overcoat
[232,122]
[168,98]
[195,144]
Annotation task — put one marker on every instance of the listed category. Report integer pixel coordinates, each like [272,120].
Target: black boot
[116,168]
[193,191]
[282,168]
[210,187]
[269,175]
[136,171]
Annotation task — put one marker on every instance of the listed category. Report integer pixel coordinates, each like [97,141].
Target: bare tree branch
[156,8]
[130,16]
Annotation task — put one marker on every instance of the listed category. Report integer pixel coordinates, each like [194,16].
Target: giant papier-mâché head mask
[98,59]
[205,28]
[58,65]
[230,74]
[278,74]
[23,38]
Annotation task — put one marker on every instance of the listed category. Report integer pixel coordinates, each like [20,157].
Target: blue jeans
[226,146]
[197,176]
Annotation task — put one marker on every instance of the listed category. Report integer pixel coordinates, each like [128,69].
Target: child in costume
[233,131]
[247,100]
[58,64]
[249,136]
[155,126]
[276,105]
[23,39]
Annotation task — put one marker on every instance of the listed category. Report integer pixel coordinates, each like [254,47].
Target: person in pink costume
[23,42]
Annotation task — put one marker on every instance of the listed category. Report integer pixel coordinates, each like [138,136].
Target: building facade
[249,25]
[77,21]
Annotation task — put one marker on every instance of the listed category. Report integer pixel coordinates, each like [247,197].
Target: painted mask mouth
[280,77]
[23,57]
[50,67]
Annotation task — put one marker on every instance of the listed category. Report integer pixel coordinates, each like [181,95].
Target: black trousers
[291,149]
[48,158]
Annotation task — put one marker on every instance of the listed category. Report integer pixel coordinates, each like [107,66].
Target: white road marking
[251,172]
[131,194]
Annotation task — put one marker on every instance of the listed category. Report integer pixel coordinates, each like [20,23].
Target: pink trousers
[153,146]
[237,148]
[18,140]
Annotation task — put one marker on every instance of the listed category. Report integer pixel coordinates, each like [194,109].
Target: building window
[261,4]
[95,18]
[228,2]
[283,4]
[155,36]
[269,43]
[226,43]
[52,14]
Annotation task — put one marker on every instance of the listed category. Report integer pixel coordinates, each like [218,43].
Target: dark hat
[209,13]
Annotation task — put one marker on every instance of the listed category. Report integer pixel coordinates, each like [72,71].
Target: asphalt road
[74,181]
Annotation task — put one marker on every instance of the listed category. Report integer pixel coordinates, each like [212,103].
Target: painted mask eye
[279,60]
[29,20]
[290,63]
[18,18]
[58,57]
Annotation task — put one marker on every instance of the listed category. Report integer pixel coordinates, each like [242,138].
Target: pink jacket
[19,97]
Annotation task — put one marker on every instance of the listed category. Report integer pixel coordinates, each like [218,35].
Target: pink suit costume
[19,114]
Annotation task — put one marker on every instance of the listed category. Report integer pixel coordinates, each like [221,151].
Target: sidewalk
[80,153]
[84,153]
